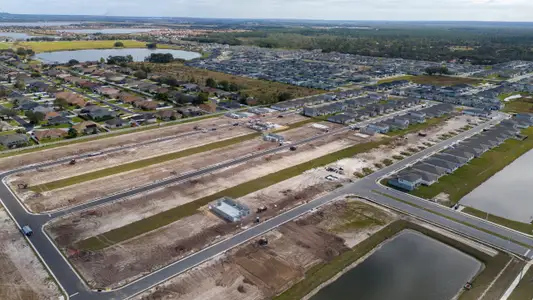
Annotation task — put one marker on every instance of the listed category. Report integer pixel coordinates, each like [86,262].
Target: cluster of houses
[429,170]
[403,121]
[316,99]
[314,69]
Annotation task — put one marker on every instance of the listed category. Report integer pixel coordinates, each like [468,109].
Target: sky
[468,10]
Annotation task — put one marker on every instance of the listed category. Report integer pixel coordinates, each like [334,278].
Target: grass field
[524,289]
[477,171]
[405,77]
[80,45]
[523,227]
[521,105]
[4,46]
[323,272]
[263,90]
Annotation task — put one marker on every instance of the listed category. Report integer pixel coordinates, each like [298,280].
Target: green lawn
[78,45]
[405,77]
[7,132]
[4,46]
[76,119]
[477,171]
[523,227]
[139,164]
[518,106]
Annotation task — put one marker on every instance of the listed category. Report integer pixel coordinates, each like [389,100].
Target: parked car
[26,230]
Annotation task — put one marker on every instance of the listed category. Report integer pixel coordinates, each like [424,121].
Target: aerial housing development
[180,158]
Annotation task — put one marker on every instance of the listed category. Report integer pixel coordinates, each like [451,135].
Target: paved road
[75,287]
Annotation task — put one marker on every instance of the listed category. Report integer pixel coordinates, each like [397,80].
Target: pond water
[109,30]
[139,54]
[410,266]
[508,193]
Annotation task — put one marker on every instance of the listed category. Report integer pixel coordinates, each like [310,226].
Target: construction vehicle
[293,148]
[261,209]
[262,241]
[26,230]
[72,162]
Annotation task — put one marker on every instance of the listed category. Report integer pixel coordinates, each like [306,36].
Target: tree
[72,133]
[35,74]
[224,85]
[151,45]
[73,62]
[102,60]
[60,103]
[20,85]
[210,82]
[202,98]
[233,87]
[140,74]
[284,96]
[161,96]
[21,51]
[159,58]
[119,44]
[34,117]
[9,113]
[119,60]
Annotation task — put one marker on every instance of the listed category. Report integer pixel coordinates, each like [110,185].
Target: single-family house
[406,181]
[421,166]
[448,166]
[108,92]
[461,153]
[14,140]
[379,127]
[58,120]
[342,118]
[167,115]
[146,104]
[115,123]
[54,133]
[86,127]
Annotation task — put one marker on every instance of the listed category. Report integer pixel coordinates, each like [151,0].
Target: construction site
[293,160]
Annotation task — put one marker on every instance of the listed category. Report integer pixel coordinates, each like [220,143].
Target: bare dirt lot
[12,162]
[411,141]
[83,192]
[22,276]
[261,272]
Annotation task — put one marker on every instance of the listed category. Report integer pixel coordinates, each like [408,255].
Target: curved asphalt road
[74,286]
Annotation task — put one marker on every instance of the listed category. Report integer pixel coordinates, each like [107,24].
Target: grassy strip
[78,45]
[501,285]
[164,218]
[523,227]
[99,137]
[477,171]
[450,218]
[323,272]
[139,164]
[524,289]
[420,126]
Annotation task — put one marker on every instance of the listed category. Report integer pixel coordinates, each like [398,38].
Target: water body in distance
[410,266]
[37,24]
[109,30]
[20,36]
[139,54]
[508,193]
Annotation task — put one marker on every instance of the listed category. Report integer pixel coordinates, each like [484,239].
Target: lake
[16,35]
[108,30]
[35,24]
[409,266]
[139,54]
[508,193]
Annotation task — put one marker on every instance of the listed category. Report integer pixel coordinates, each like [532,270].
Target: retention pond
[409,266]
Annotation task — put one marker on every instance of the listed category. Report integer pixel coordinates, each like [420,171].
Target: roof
[10,138]
[115,121]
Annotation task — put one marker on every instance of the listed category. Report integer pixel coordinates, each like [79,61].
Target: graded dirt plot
[410,141]
[12,162]
[262,272]
[91,164]
[21,274]
[83,192]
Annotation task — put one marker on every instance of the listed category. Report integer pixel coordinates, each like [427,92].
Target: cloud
[489,10]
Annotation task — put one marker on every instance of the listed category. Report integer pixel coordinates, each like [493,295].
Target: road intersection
[74,286]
